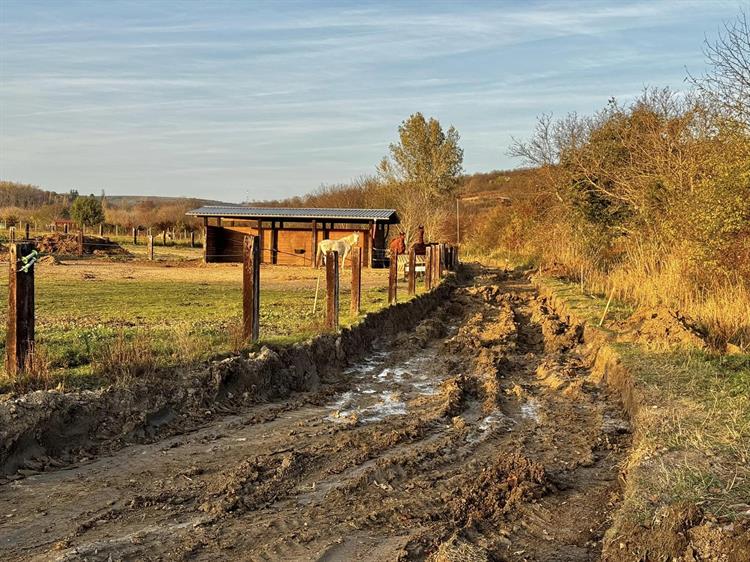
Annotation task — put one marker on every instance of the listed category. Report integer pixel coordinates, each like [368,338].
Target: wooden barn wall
[295,247]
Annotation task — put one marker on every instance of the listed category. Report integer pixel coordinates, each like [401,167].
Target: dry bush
[37,373]
[237,341]
[126,359]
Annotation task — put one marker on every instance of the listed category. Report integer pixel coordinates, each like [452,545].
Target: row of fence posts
[13,236]
[21,315]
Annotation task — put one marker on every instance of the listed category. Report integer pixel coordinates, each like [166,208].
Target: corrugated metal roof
[291,213]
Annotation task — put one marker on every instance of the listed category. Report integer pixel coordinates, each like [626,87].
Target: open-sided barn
[290,235]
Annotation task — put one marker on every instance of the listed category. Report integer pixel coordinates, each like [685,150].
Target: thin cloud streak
[296,95]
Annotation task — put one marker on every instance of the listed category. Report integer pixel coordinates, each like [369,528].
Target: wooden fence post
[28,233]
[65,228]
[135,236]
[150,247]
[80,242]
[443,255]
[251,288]
[332,291]
[12,233]
[192,238]
[101,229]
[412,275]
[428,267]
[356,280]
[435,265]
[393,277]
[164,237]
[20,333]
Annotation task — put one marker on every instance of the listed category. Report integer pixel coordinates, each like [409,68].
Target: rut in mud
[475,436]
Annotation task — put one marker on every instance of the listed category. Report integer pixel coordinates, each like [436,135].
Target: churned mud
[475,436]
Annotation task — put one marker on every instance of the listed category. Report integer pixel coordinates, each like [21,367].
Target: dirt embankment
[48,429]
[467,429]
[679,532]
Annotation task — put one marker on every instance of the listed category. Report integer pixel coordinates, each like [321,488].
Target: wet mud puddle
[382,387]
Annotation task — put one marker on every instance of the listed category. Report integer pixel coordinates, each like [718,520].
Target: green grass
[692,435]
[187,317]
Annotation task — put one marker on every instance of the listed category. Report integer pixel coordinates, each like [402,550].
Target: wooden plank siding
[293,245]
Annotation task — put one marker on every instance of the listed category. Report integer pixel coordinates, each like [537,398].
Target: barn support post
[20,331]
[366,243]
[80,242]
[428,267]
[274,243]
[150,247]
[28,233]
[332,291]
[411,275]
[356,280]
[393,277]
[314,244]
[262,240]
[251,255]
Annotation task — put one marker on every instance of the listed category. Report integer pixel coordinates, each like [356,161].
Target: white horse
[343,246]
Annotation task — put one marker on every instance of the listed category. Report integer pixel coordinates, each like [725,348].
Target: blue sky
[234,100]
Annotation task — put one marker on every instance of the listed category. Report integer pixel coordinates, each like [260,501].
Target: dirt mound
[508,480]
[680,532]
[662,326]
[67,244]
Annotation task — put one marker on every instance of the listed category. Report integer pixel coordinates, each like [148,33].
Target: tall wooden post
[314,244]
[356,254]
[20,334]
[428,267]
[435,265]
[332,291]
[28,233]
[441,267]
[274,243]
[393,277]
[259,228]
[80,242]
[251,288]
[192,238]
[411,276]
[135,236]
[150,247]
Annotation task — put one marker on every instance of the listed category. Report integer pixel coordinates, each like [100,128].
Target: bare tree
[727,82]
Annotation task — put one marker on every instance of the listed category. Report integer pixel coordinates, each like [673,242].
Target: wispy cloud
[285,96]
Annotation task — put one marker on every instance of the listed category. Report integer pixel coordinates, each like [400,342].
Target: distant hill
[129,200]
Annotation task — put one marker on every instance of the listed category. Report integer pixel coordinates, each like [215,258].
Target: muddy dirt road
[476,436]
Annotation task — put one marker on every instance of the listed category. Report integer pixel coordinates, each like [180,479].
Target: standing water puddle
[382,389]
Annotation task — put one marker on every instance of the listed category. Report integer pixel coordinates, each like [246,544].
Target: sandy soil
[476,436]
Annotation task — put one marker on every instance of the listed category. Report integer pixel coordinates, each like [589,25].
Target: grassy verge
[177,314]
[691,426]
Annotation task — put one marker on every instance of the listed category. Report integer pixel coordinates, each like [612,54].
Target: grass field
[183,310]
